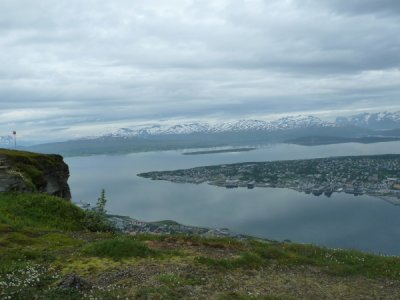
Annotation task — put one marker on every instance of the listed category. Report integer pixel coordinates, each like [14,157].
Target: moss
[4,228]
[57,241]
[16,238]
[85,266]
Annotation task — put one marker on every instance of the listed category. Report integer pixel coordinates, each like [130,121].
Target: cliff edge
[22,171]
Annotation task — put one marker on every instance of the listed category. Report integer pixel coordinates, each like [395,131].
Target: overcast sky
[72,67]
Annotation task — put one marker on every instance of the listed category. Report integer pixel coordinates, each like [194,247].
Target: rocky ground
[184,277]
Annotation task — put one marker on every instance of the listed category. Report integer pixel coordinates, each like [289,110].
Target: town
[133,226]
[377,175]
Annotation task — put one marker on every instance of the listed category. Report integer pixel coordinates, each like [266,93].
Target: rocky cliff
[33,172]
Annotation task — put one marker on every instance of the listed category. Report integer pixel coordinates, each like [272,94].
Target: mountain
[286,123]
[382,120]
[374,121]
[6,140]
[155,137]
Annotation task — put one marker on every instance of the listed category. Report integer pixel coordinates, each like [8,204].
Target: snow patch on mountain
[381,120]
[290,122]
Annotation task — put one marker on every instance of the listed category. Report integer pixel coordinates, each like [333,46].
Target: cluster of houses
[133,226]
[372,175]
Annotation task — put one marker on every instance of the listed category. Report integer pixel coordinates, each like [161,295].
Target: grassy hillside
[43,241]
[39,212]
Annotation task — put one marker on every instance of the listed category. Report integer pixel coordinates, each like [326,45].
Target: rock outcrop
[32,172]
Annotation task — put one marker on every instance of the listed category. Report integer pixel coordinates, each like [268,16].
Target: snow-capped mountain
[381,120]
[162,136]
[291,122]
[6,140]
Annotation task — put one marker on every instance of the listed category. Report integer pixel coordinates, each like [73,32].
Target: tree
[96,220]
[101,203]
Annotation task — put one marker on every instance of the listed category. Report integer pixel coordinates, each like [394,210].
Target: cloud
[82,64]
[358,7]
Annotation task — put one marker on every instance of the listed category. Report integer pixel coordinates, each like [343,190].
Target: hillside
[46,253]
[32,172]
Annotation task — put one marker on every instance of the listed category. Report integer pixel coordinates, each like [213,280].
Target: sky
[71,68]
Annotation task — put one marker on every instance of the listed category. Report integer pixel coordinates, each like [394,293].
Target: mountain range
[293,129]
[381,120]
[374,121]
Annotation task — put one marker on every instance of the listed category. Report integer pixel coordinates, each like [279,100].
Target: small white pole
[15,139]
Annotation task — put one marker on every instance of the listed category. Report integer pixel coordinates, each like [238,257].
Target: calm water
[343,221]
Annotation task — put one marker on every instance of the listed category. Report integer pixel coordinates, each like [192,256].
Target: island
[375,175]
[230,150]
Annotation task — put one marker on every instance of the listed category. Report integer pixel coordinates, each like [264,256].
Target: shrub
[96,220]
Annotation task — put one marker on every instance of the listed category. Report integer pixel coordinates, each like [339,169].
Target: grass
[332,261]
[120,247]
[39,211]
[42,239]
[246,260]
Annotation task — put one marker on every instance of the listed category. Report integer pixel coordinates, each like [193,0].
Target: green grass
[39,211]
[43,236]
[120,247]
[333,261]
[246,260]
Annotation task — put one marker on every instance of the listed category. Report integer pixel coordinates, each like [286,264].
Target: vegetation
[96,220]
[31,165]
[118,248]
[43,241]
[39,211]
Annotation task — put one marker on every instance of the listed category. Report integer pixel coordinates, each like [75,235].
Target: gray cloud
[77,65]
[356,7]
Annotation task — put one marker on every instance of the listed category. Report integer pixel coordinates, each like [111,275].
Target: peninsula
[376,175]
